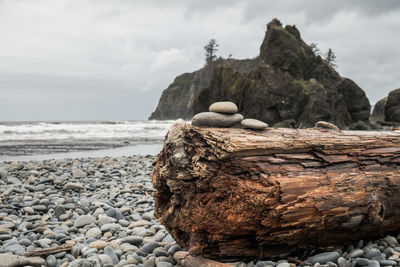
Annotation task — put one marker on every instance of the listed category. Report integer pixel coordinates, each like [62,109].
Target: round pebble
[213,119]
[224,107]
[254,124]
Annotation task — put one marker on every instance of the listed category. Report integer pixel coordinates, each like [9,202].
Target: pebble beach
[102,209]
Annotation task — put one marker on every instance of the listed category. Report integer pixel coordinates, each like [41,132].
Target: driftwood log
[234,192]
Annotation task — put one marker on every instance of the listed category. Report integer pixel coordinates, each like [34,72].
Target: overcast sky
[111,59]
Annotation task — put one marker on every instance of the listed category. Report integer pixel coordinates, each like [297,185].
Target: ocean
[75,139]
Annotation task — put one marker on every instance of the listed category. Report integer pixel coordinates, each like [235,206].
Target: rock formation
[290,83]
[177,100]
[392,106]
[378,115]
[387,110]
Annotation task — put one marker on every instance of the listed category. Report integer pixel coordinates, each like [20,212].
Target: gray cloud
[111,59]
[316,10]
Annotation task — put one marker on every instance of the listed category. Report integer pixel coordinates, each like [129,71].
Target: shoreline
[142,149]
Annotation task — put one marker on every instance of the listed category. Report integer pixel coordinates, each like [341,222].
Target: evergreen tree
[315,49]
[330,58]
[211,48]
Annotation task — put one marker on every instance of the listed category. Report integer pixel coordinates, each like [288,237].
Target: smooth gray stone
[213,119]
[104,220]
[73,186]
[105,259]
[390,239]
[83,263]
[387,252]
[166,259]
[254,124]
[324,257]
[114,213]
[5,237]
[58,211]
[224,107]
[51,261]
[133,240]
[61,236]
[388,262]
[159,236]
[361,262]
[16,249]
[164,264]
[84,220]
[160,253]
[355,253]
[173,249]
[14,180]
[75,251]
[111,253]
[25,242]
[264,263]
[140,231]
[94,232]
[149,247]
[283,264]
[151,262]
[39,187]
[84,203]
[380,257]
[373,252]
[60,255]
[374,264]
[342,262]
[148,216]
[90,251]
[78,173]
[70,206]
[124,222]
[3,174]
[168,238]
[110,227]
[39,207]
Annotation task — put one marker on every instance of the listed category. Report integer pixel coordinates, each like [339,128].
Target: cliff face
[287,85]
[291,84]
[177,100]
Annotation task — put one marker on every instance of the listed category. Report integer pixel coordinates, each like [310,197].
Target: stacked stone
[224,115]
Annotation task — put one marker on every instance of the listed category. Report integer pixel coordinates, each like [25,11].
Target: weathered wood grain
[233,192]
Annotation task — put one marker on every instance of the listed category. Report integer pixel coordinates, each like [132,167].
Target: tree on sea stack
[330,58]
[315,49]
[211,49]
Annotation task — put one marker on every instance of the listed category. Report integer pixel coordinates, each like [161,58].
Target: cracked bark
[233,192]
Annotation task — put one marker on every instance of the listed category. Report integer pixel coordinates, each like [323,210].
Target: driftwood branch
[233,192]
[48,251]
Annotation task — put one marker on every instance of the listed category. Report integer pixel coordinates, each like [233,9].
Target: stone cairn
[224,114]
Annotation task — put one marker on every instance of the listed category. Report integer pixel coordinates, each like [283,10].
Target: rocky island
[286,85]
